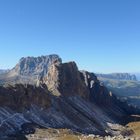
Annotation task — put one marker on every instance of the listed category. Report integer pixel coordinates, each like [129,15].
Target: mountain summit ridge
[29,69]
[35,65]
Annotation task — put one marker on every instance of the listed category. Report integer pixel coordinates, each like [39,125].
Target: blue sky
[100,35]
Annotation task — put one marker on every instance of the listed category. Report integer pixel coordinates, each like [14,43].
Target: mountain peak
[36,65]
[41,57]
[30,69]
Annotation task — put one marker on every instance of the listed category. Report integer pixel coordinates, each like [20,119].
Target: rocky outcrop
[98,92]
[18,97]
[35,66]
[16,107]
[65,80]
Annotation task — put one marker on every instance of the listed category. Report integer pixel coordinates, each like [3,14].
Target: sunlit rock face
[21,96]
[36,66]
[30,69]
[61,97]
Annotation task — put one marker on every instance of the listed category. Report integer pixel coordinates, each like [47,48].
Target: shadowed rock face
[64,97]
[98,93]
[19,97]
[66,80]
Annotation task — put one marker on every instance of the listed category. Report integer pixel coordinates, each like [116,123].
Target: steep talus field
[45,93]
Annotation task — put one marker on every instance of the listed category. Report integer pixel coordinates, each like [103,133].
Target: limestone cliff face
[98,92]
[65,80]
[30,69]
[52,79]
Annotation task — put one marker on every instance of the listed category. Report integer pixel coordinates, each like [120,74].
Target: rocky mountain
[29,69]
[62,97]
[35,66]
[119,76]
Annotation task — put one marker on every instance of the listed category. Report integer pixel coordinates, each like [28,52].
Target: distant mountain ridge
[124,85]
[4,71]
[119,76]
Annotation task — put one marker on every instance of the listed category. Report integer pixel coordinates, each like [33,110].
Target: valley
[126,88]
